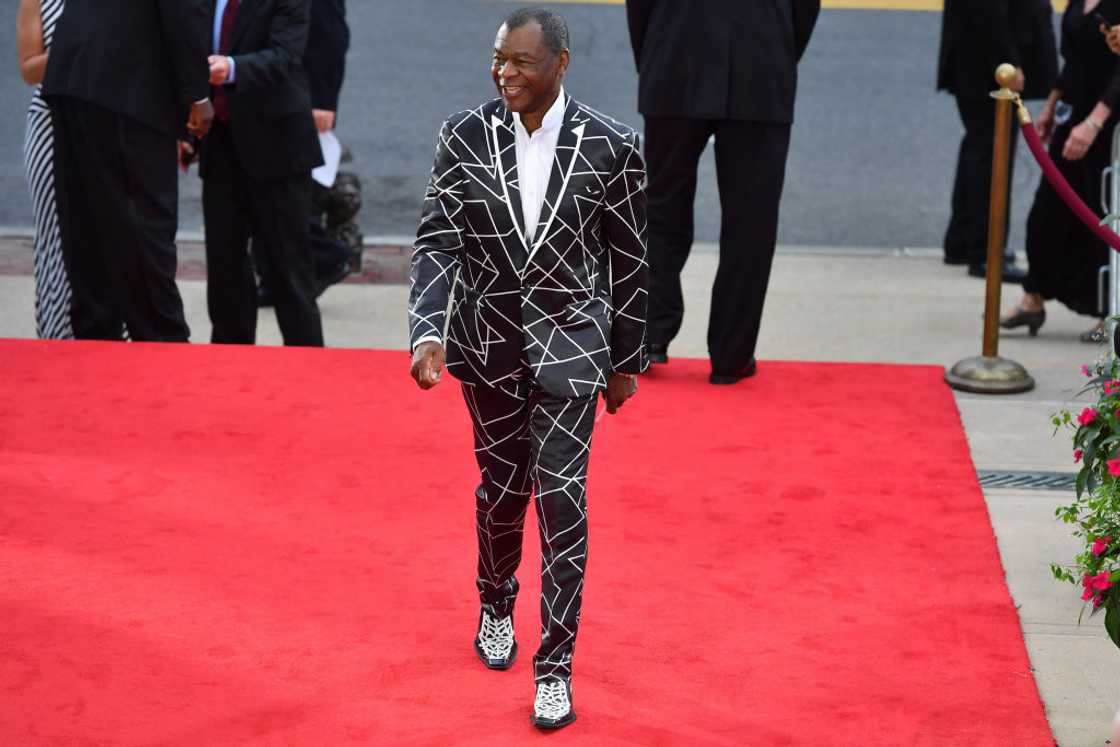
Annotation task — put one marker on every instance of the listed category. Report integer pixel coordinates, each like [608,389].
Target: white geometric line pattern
[552,701]
[495,635]
[52,286]
[573,305]
[524,433]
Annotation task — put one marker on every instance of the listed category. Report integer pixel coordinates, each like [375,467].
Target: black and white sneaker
[552,708]
[494,643]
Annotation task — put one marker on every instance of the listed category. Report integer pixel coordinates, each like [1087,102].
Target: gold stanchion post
[989,373]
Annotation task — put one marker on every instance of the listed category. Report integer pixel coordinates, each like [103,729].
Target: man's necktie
[229,17]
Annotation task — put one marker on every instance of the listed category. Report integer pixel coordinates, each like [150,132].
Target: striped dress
[52,288]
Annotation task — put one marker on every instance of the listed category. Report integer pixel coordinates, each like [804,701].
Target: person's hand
[186,156]
[1080,140]
[202,116]
[620,387]
[324,120]
[1020,81]
[427,364]
[1112,36]
[219,69]
[1044,123]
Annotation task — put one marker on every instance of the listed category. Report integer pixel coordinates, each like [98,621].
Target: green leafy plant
[1095,511]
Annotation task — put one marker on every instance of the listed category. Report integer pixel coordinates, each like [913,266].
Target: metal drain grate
[1028,480]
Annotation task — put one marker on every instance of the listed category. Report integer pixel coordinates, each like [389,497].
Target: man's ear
[565,58]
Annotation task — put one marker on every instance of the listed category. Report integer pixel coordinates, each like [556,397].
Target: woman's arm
[29,42]
[1082,137]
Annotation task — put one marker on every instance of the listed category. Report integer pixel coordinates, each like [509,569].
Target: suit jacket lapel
[244,16]
[567,148]
[505,154]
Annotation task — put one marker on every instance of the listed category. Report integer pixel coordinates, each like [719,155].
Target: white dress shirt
[535,156]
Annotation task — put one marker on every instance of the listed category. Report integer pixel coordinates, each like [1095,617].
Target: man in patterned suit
[533,228]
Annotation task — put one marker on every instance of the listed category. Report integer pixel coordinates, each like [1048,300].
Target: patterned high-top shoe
[552,708]
[494,643]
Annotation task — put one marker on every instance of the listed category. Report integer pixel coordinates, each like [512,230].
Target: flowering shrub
[1095,512]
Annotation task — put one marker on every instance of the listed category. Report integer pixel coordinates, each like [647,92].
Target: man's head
[530,58]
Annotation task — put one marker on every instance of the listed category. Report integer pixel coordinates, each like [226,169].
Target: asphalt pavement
[873,150]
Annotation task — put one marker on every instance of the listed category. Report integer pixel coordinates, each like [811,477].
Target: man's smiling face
[526,72]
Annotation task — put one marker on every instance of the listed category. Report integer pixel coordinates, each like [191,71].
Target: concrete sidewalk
[873,306]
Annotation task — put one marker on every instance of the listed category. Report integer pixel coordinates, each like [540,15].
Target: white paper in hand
[332,157]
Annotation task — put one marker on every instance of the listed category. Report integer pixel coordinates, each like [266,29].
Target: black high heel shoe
[1032,320]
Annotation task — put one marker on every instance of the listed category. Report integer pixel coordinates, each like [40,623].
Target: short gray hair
[553,26]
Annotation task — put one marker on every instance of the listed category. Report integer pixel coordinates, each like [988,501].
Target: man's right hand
[202,117]
[427,364]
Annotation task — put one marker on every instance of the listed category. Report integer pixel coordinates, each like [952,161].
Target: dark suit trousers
[273,214]
[118,207]
[527,440]
[750,167]
[966,240]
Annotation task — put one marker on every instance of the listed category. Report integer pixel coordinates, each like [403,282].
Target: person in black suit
[328,40]
[976,37]
[122,79]
[325,59]
[726,68]
[256,170]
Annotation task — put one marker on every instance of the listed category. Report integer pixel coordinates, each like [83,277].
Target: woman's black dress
[1065,256]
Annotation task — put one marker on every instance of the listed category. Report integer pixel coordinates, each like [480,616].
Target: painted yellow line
[925,5]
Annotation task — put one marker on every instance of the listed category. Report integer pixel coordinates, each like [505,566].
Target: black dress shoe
[1032,320]
[954,260]
[552,707]
[745,372]
[1011,274]
[494,644]
[657,353]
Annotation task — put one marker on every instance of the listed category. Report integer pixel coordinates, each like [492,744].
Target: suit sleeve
[1110,96]
[273,65]
[437,253]
[637,16]
[805,14]
[327,43]
[624,224]
[186,31]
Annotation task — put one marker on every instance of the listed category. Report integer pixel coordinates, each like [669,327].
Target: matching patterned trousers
[530,442]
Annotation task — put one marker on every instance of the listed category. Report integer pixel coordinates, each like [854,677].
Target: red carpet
[205,546]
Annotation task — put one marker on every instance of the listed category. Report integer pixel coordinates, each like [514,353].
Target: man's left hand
[620,387]
[219,69]
[324,120]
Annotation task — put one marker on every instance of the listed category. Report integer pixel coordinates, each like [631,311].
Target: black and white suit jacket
[571,304]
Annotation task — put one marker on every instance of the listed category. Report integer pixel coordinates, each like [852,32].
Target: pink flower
[1088,415]
[1088,593]
[1098,601]
[1099,582]
[1111,387]
[1114,467]
[1100,544]
[1077,454]
[1085,371]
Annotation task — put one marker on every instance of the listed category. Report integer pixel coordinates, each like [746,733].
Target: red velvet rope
[1066,192]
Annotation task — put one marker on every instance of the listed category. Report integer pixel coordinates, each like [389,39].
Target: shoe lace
[552,700]
[495,636]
